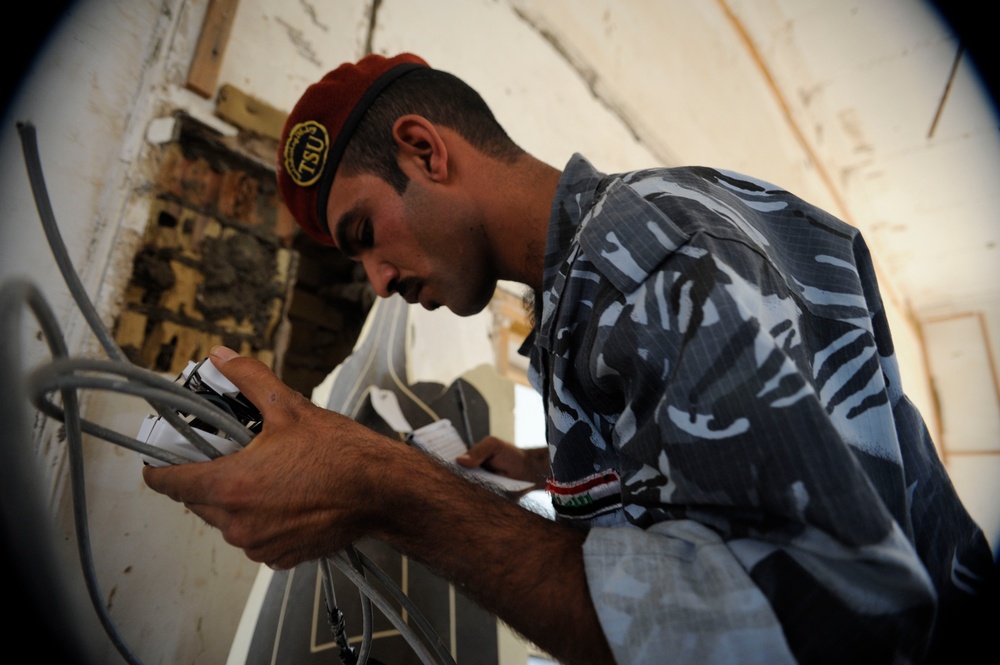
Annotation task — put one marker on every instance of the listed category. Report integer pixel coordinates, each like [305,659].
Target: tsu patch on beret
[320,126]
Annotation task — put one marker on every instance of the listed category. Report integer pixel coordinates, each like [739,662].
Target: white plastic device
[156,431]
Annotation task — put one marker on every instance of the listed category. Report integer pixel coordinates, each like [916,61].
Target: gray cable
[61,375]
[444,655]
[367,620]
[38,389]
[340,632]
[13,296]
[32,161]
[140,382]
[345,566]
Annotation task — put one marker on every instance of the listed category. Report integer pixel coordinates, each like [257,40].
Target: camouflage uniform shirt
[725,416]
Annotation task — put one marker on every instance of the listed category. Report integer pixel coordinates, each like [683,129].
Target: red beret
[320,126]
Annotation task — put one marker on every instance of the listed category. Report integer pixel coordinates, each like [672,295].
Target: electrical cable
[338,623]
[154,388]
[443,654]
[345,566]
[33,164]
[367,620]
[66,376]
[13,296]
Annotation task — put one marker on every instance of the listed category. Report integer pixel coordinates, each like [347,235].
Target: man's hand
[302,489]
[313,482]
[496,455]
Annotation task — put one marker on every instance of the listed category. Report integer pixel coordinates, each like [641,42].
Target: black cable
[358,579]
[338,624]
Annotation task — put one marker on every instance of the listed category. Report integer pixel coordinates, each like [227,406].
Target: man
[737,473]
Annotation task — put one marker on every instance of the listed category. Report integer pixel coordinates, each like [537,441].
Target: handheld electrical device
[204,380]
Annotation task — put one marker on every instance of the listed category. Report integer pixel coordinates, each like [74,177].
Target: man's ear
[421,149]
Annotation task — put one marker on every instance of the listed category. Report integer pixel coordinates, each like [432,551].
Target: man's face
[424,245]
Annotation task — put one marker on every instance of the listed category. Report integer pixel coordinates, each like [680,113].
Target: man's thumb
[250,376]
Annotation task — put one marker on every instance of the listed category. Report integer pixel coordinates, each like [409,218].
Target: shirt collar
[576,189]
[575,192]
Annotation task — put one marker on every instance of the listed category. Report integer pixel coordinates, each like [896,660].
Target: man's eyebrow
[340,231]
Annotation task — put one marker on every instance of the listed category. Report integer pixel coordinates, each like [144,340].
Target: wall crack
[310,11]
[302,45]
[590,78]
[372,23]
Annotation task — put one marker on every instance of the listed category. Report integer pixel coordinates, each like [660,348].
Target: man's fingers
[481,453]
[257,383]
[187,483]
[475,456]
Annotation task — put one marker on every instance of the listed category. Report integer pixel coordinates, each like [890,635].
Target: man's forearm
[526,569]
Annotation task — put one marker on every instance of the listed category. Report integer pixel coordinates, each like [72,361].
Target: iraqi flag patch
[587,498]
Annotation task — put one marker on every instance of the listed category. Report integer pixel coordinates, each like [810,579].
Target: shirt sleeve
[676,589]
[762,522]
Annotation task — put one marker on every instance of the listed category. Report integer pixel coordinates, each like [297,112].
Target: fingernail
[223,353]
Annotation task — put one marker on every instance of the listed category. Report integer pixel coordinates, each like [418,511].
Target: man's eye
[366,235]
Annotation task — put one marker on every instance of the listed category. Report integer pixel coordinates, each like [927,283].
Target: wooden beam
[246,112]
[204,72]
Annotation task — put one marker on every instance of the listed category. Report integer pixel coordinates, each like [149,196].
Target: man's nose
[383,276]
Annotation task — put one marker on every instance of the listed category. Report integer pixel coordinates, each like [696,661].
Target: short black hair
[440,97]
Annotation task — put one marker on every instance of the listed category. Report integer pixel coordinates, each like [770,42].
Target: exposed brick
[131,329]
[267,205]
[274,318]
[160,336]
[239,195]
[193,231]
[172,167]
[201,183]
[213,229]
[191,345]
[229,191]
[198,198]
[165,236]
[182,298]
[283,263]
[134,294]
[246,204]
[230,324]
